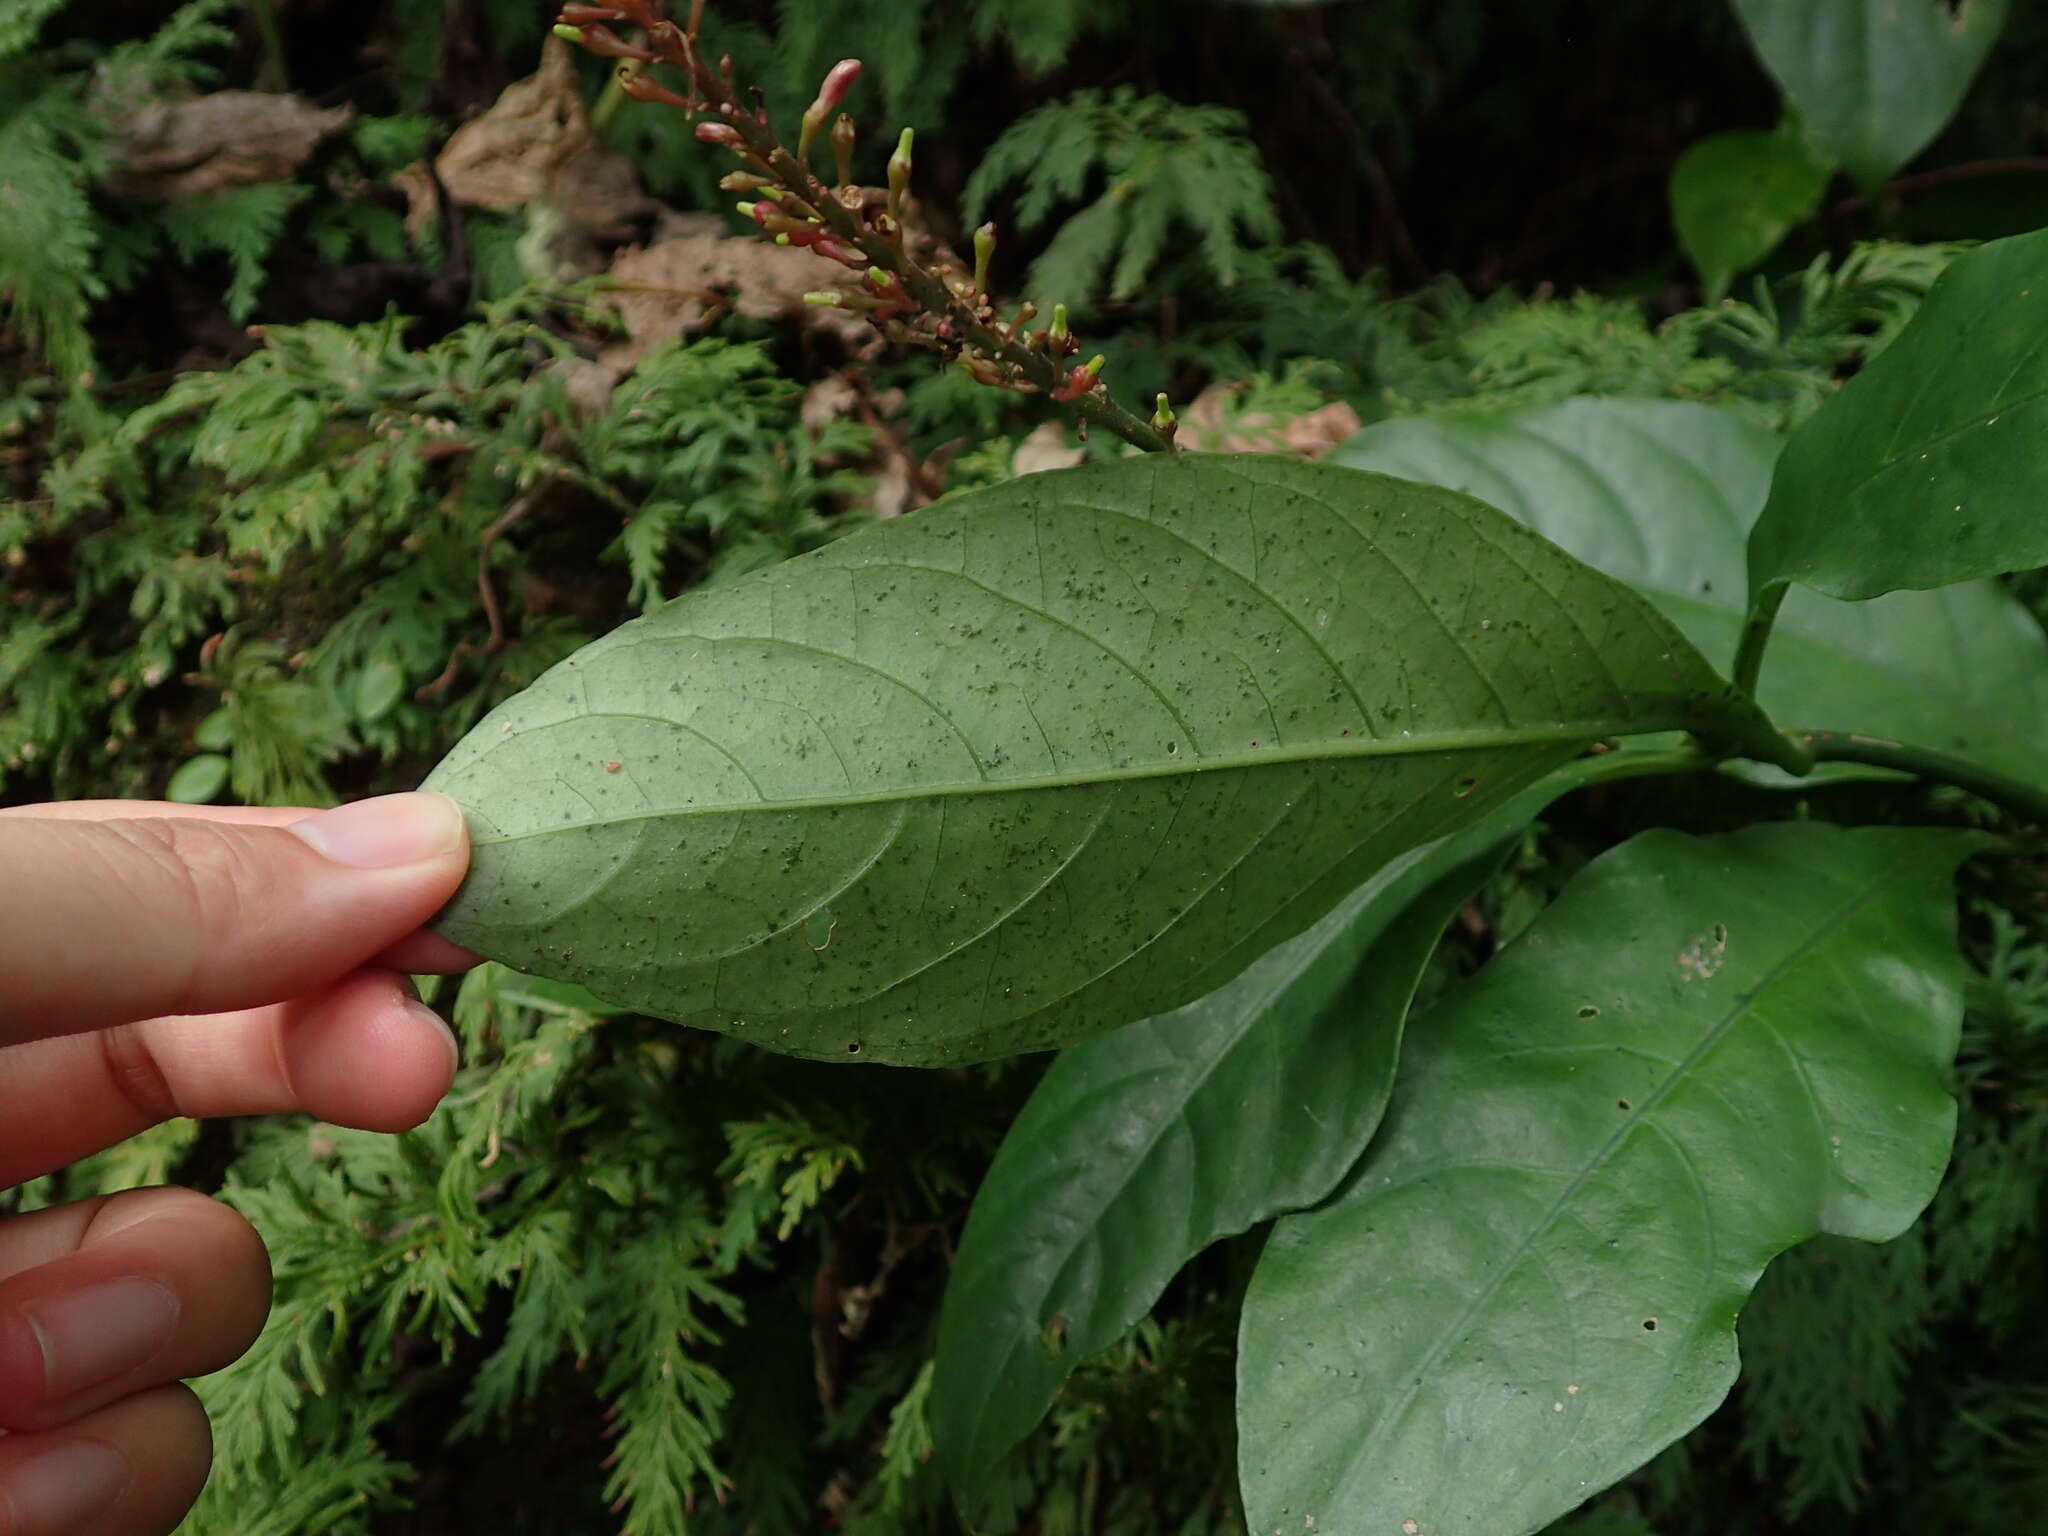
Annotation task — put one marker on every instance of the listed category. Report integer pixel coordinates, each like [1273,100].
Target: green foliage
[1662,495]
[630,1264]
[203,511]
[1735,195]
[1166,166]
[52,143]
[1901,485]
[1592,1151]
[1083,1218]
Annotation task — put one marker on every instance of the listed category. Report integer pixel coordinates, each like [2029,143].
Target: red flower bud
[584,15]
[720,133]
[845,255]
[607,44]
[838,80]
[641,88]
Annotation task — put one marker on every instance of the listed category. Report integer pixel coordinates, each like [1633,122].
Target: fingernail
[386,832]
[92,1336]
[63,1489]
[427,1015]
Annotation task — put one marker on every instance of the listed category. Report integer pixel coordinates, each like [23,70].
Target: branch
[2028,802]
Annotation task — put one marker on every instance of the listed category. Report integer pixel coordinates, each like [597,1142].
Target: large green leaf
[1705,1051]
[1929,467]
[1045,759]
[1142,1147]
[1876,80]
[1662,494]
[1735,195]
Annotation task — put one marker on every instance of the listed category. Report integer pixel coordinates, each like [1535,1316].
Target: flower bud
[583,15]
[838,79]
[842,149]
[984,252]
[899,174]
[1164,422]
[1081,380]
[641,88]
[569,34]
[1059,322]
[607,44]
[722,134]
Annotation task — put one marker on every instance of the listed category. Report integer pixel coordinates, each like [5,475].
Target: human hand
[223,962]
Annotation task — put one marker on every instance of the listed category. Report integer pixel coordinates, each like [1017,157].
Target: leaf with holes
[1045,759]
[1875,80]
[1705,1051]
[1662,494]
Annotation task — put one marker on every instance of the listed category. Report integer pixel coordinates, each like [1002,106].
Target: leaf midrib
[1548,734]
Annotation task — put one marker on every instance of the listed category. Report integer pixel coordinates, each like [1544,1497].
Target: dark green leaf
[199,780]
[1046,759]
[1704,1052]
[1734,196]
[1928,467]
[1875,80]
[1661,495]
[1141,1148]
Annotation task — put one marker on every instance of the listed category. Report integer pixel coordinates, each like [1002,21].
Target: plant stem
[2029,802]
[967,315]
[1756,634]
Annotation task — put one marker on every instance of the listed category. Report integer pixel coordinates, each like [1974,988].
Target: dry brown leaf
[171,149]
[1213,426]
[507,156]
[678,283]
[1051,445]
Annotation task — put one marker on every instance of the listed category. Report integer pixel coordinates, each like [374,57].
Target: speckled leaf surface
[1927,467]
[1705,1051]
[1142,1147]
[1662,495]
[1042,760]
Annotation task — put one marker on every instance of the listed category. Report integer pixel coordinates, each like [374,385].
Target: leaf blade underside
[1058,755]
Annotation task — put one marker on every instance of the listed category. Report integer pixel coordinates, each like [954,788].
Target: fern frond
[49,153]
[242,224]
[22,22]
[1166,164]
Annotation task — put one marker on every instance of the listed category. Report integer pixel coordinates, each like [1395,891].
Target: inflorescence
[941,308]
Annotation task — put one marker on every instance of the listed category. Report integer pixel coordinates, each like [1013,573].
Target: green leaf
[1875,80]
[378,687]
[1141,1148]
[1734,196]
[216,733]
[1705,1051]
[199,780]
[1048,758]
[1662,494]
[1927,468]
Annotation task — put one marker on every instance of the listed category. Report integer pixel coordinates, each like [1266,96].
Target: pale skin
[160,960]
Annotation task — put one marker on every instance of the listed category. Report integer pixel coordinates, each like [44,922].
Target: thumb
[106,922]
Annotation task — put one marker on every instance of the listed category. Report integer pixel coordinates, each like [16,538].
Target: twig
[487,594]
[1947,175]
